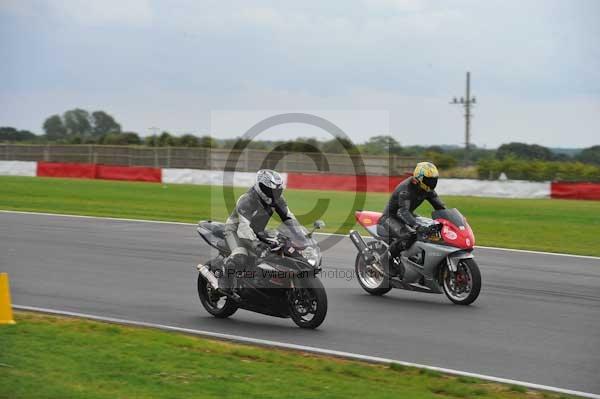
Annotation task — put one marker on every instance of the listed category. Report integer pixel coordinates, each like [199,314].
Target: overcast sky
[383,66]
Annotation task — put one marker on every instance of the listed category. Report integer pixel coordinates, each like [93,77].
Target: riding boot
[396,247]
[227,282]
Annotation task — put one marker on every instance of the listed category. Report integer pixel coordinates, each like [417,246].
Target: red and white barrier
[211,177]
[576,190]
[305,181]
[313,181]
[18,168]
[135,173]
[494,188]
[97,171]
[71,170]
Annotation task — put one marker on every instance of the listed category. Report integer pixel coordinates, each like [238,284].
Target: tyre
[215,303]
[308,303]
[463,286]
[370,279]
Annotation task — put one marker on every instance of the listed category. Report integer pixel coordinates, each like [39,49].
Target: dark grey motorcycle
[282,283]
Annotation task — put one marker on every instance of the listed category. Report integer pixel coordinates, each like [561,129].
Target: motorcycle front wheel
[308,303]
[214,302]
[463,286]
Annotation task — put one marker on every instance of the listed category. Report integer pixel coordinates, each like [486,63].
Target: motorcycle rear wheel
[217,305]
[308,304]
[372,281]
[463,286]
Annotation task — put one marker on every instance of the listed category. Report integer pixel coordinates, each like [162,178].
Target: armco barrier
[582,190]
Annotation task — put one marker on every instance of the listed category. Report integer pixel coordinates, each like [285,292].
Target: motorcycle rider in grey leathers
[245,227]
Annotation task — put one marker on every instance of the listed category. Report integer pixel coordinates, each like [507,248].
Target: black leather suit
[398,222]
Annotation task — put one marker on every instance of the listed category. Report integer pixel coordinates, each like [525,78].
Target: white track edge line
[326,234]
[303,348]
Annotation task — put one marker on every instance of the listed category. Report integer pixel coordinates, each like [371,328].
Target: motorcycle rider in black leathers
[398,223]
[245,227]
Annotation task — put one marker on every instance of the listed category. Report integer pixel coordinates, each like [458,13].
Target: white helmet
[269,185]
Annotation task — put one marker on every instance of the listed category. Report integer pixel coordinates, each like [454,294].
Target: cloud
[189,56]
[135,13]
[18,8]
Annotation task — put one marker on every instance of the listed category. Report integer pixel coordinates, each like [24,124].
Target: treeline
[536,170]
[519,161]
[516,160]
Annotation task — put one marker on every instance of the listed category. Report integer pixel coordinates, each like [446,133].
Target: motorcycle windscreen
[293,230]
[451,215]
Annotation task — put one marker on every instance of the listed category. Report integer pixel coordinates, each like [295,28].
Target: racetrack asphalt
[537,319]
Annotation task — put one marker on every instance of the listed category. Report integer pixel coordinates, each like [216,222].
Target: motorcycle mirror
[319,224]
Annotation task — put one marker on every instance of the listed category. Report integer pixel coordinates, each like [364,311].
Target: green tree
[188,140]
[590,155]
[151,141]
[103,123]
[300,145]
[524,151]
[339,145]
[127,138]
[208,142]
[381,145]
[12,134]
[166,140]
[8,133]
[132,138]
[77,122]
[54,128]
[441,160]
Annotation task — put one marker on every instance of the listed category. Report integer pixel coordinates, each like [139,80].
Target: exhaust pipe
[361,245]
[207,274]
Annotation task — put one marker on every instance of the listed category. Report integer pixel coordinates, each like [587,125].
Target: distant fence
[210,159]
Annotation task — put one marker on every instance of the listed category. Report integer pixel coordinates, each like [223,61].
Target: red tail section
[368,220]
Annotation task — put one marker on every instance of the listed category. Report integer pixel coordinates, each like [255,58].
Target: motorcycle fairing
[289,265]
[214,235]
[435,255]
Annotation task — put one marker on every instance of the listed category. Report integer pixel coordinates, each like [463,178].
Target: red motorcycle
[439,260]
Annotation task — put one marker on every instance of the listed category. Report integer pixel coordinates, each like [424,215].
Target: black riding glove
[270,241]
[260,248]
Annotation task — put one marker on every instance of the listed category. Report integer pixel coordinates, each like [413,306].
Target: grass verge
[535,224]
[54,357]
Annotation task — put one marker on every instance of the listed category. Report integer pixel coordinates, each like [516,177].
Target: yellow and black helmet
[426,175]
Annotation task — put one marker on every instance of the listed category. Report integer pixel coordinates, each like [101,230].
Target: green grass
[53,357]
[536,224]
